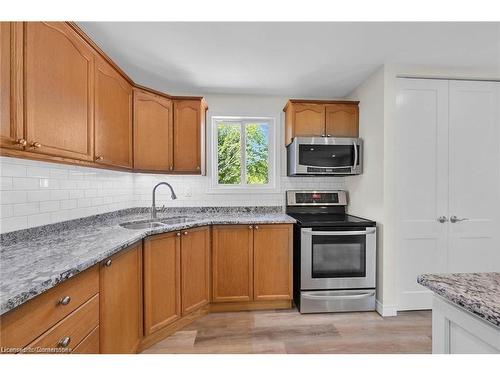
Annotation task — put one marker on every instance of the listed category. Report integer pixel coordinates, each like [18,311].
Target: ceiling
[288,59]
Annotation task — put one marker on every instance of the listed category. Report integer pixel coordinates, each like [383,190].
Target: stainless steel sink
[156,223]
[142,224]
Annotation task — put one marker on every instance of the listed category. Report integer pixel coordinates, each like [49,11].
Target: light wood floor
[286,331]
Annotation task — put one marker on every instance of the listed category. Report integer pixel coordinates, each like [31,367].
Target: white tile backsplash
[37,193]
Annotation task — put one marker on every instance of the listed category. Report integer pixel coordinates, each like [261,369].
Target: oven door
[338,259]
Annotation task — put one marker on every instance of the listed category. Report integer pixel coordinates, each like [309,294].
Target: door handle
[455,219]
[442,219]
[355,155]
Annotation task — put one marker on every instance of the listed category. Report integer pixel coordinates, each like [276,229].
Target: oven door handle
[355,155]
[338,233]
[337,297]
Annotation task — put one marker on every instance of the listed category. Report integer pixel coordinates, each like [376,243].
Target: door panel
[273,262]
[162,277]
[422,185]
[195,269]
[342,120]
[59,91]
[232,262]
[187,136]
[113,117]
[474,176]
[308,120]
[120,302]
[152,132]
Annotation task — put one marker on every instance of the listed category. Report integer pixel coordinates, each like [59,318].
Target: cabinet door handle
[185,233]
[256,227]
[178,234]
[250,226]
[22,142]
[64,342]
[36,144]
[64,300]
[98,158]
[108,263]
[455,219]
[442,219]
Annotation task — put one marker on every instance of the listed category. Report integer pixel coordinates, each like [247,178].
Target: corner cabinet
[153,117]
[320,118]
[189,136]
[120,322]
[113,117]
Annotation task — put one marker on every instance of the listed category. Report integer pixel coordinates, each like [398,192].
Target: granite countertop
[478,293]
[34,260]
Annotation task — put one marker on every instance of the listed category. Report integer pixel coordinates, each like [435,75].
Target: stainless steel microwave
[324,156]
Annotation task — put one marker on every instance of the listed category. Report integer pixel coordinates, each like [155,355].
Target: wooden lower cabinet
[232,262]
[162,277]
[272,261]
[252,263]
[195,269]
[90,344]
[121,301]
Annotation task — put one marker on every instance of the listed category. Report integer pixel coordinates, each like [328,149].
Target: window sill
[214,190]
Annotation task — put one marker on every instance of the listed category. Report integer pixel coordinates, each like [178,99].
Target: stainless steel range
[334,253]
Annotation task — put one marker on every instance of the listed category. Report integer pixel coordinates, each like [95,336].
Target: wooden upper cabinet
[120,322]
[189,136]
[195,269]
[308,120]
[320,118]
[162,278]
[342,120]
[232,263]
[113,116]
[272,255]
[58,90]
[11,135]
[153,118]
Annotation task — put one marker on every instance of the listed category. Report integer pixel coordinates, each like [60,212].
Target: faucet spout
[153,205]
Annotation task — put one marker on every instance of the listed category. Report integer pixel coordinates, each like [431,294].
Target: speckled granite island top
[478,293]
[34,260]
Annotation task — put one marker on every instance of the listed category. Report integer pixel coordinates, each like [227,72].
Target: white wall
[366,191]
[37,193]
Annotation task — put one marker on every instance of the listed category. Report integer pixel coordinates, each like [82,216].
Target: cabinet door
[11,131]
[162,277]
[232,262]
[152,132]
[188,126]
[272,259]
[474,189]
[121,301]
[195,269]
[342,120]
[113,117]
[59,79]
[308,120]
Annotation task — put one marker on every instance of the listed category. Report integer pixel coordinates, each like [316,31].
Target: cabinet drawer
[90,344]
[25,323]
[71,330]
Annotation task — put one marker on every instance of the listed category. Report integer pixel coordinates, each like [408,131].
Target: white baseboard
[387,310]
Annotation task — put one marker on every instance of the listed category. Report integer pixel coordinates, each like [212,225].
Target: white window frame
[244,188]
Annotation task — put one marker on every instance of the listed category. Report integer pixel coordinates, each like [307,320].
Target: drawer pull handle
[256,227]
[178,234]
[108,263]
[64,342]
[185,233]
[250,227]
[36,144]
[22,142]
[65,300]
[99,158]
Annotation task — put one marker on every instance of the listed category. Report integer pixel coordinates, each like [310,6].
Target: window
[243,152]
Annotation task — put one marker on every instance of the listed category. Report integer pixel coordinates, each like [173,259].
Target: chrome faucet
[153,206]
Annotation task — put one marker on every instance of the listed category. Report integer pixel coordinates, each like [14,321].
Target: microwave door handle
[338,233]
[355,155]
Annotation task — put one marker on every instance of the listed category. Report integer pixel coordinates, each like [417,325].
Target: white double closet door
[447,164]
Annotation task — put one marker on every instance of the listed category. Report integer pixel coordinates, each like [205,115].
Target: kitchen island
[465,312]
